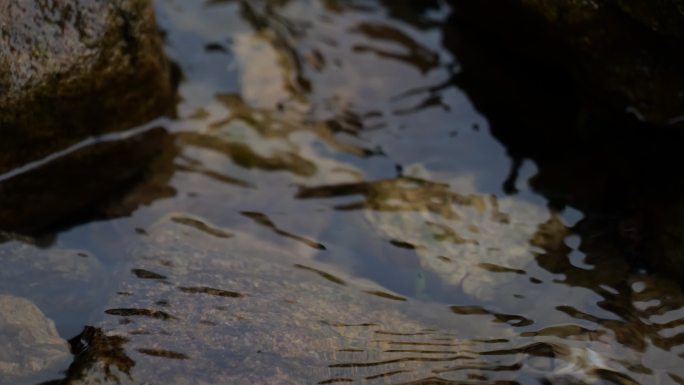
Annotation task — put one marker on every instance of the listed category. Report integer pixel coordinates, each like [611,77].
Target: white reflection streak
[93,140]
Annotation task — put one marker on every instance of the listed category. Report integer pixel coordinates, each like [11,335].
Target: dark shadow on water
[622,174]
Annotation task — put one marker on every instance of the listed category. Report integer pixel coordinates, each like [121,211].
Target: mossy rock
[74,69]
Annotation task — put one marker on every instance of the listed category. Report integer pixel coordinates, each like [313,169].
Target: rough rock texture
[453,234]
[621,54]
[30,343]
[72,69]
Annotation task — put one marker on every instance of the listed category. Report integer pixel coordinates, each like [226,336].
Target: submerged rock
[73,69]
[195,308]
[31,348]
[462,238]
[554,79]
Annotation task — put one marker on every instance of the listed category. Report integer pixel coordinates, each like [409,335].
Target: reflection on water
[329,207]
[464,239]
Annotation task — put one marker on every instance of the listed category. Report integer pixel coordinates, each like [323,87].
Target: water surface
[332,208]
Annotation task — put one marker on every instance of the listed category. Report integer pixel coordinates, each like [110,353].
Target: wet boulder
[616,55]
[74,69]
[32,350]
[69,71]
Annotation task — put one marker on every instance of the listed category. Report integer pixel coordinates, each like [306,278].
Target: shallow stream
[329,207]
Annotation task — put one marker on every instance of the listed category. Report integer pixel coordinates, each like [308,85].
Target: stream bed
[328,206]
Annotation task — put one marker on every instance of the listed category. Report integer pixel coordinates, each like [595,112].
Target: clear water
[323,160]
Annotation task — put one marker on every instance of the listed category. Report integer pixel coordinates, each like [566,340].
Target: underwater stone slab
[74,69]
[198,309]
[31,348]
[662,16]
